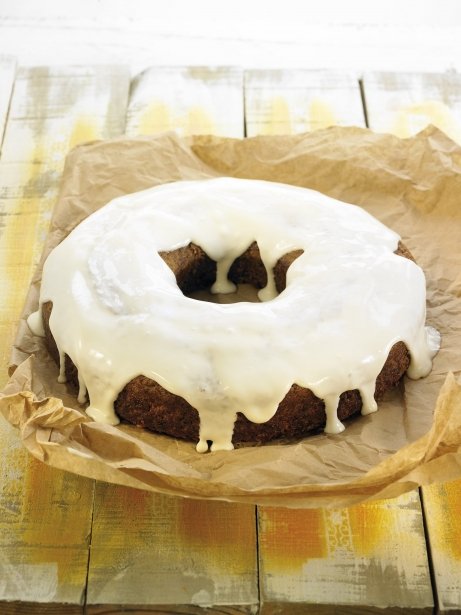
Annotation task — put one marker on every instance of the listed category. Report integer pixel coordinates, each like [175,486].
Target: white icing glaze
[118,312]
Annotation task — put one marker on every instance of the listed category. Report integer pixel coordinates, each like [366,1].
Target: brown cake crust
[147,404]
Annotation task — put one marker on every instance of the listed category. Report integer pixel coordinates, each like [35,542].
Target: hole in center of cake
[196,274]
[243,292]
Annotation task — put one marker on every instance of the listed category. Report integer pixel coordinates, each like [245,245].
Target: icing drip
[36,324]
[367,392]
[333,424]
[118,312]
[269,291]
[222,284]
[62,368]
[81,390]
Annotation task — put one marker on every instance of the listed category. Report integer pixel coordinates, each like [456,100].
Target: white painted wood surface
[150,550]
[294,101]
[188,100]
[405,103]
[351,560]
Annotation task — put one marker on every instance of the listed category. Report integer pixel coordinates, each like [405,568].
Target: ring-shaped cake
[339,305]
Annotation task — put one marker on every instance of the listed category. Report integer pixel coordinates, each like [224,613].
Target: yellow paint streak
[223,532]
[44,510]
[198,121]
[278,120]
[443,504]
[55,505]
[371,525]
[121,530]
[84,129]
[18,252]
[289,538]
[125,529]
[28,220]
[131,513]
[52,499]
[7,333]
[56,513]
[13,460]
[320,115]
[452,512]
[158,117]
[155,118]
[413,118]
[219,535]
[18,249]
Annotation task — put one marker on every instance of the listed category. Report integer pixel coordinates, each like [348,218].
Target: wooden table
[73,545]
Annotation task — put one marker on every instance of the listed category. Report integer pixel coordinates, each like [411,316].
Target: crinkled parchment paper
[412,185]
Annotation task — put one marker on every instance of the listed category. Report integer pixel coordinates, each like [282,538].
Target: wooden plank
[193,100]
[7,73]
[353,560]
[399,580]
[51,111]
[149,551]
[166,609]
[35,608]
[159,551]
[46,514]
[442,506]
[287,102]
[44,532]
[405,103]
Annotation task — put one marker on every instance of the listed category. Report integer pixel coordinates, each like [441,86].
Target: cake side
[145,403]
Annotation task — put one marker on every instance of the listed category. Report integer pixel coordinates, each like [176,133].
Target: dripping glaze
[119,313]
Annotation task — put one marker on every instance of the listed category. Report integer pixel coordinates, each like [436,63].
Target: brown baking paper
[412,185]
